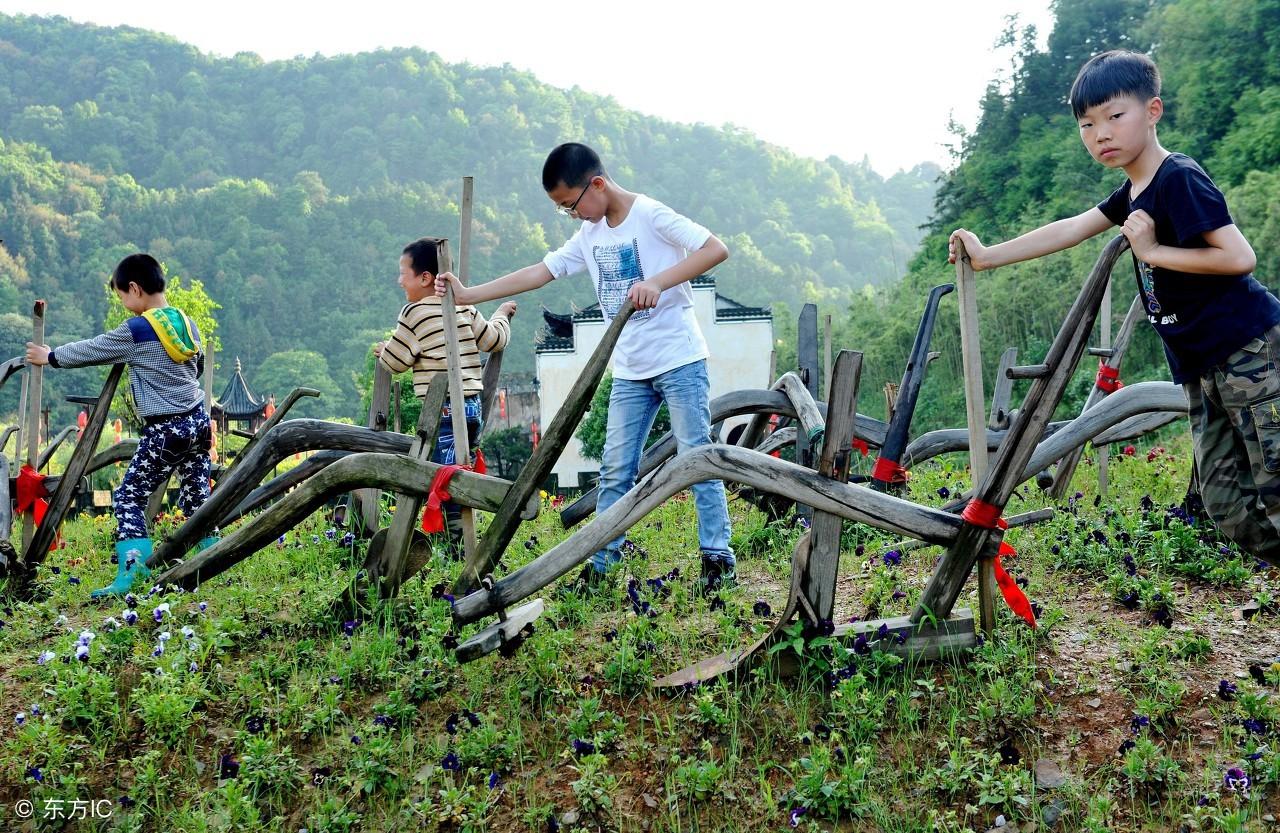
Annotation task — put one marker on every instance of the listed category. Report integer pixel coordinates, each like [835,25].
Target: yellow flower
[543,493]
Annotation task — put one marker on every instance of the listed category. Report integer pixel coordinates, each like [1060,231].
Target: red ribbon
[432,514]
[480,467]
[31,493]
[1108,380]
[30,488]
[987,516]
[862,446]
[1013,595]
[888,471]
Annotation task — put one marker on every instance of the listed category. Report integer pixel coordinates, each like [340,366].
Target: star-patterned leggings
[178,443]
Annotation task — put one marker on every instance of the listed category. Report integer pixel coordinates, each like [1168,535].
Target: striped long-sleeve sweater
[418,343]
[160,386]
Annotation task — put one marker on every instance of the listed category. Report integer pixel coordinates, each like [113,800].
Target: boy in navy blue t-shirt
[1220,327]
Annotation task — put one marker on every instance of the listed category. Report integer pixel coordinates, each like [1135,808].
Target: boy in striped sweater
[164,351]
[418,343]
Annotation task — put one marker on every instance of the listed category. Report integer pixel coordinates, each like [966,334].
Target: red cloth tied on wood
[1108,380]
[888,471]
[30,494]
[987,516]
[862,446]
[433,512]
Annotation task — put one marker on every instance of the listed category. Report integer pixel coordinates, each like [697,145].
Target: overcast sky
[845,78]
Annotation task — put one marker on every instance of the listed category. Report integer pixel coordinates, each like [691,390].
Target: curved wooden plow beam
[737,403]
[1137,426]
[711,462]
[948,440]
[812,421]
[11,367]
[1127,403]
[1011,461]
[778,440]
[4,437]
[385,471]
[277,486]
[1152,405]
[273,421]
[289,437]
[52,447]
[1122,416]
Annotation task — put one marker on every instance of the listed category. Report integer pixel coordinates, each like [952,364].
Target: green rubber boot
[131,563]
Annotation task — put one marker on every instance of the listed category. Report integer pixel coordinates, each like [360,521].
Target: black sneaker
[716,576]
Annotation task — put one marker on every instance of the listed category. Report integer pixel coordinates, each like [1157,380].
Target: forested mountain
[1024,165]
[289,187]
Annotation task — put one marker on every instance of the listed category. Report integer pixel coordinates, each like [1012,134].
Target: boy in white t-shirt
[635,247]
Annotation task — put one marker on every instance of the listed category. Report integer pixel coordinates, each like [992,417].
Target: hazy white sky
[847,78]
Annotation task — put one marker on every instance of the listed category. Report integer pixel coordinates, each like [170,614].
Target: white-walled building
[739,338]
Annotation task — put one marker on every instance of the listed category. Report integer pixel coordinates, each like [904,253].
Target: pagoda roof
[237,401]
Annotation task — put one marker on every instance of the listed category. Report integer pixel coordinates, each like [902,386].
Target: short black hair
[142,269]
[1111,74]
[573,164]
[422,254]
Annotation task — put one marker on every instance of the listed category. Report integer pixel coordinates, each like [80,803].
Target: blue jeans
[446,454]
[633,405]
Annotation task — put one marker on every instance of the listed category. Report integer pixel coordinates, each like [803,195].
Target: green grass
[371,725]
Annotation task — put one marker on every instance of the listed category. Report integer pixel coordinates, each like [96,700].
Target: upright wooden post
[974,403]
[464,233]
[1103,451]
[807,360]
[387,564]
[395,407]
[818,580]
[31,418]
[457,400]
[208,378]
[22,419]
[826,364]
[369,498]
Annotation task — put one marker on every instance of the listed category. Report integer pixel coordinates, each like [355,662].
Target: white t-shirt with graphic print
[651,239]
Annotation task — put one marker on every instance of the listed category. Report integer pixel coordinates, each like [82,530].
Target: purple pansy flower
[1237,781]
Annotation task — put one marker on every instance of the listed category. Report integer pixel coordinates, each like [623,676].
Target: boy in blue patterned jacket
[163,350]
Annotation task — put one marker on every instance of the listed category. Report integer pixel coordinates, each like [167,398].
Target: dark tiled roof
[237,401]
[557,334]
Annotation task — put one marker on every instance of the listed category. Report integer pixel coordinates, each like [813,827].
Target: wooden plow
[935,626]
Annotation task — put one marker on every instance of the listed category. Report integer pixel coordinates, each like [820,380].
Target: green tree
[506,451]
[280,373]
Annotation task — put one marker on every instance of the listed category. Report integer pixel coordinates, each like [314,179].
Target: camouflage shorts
[1235,425]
